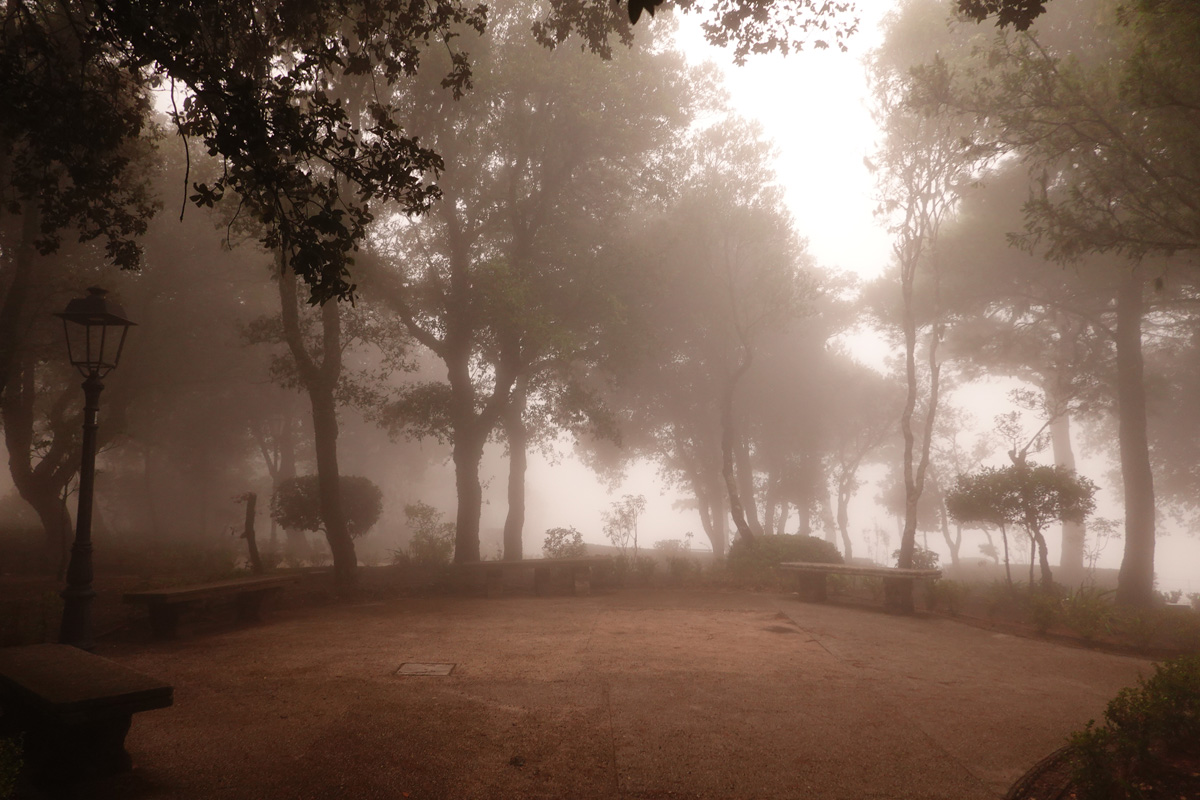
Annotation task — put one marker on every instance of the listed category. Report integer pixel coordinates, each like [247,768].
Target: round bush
[770,550]
[296,504]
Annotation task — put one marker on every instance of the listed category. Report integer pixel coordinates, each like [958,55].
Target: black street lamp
[95,329]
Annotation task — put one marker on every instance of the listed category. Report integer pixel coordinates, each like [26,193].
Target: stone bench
[579,574]
[166,605]
[897,583]
[73,709]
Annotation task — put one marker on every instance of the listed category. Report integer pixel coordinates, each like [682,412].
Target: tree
[730,273]
[924,166]
[621,522]
[297,504]
[60,179]
[504,281]
[1102,117]
[1031,496]
[863,415]
[748,26]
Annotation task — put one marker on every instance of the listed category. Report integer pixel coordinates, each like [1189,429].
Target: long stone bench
[578,575]
[166,605]
[73,709]
[811,580]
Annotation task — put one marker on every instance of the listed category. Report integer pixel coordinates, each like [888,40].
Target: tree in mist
[863,415]
[61,180]
[1022,316]
[1029,495]
[65,190]
[1102,116]
[621,522]
[730,273]
[506,280]
[923,166]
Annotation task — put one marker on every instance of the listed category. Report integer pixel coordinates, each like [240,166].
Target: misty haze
[600,399]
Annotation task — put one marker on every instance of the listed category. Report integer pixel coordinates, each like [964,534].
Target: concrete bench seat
[166,605]
[73,709]
[577,574]
[897,583]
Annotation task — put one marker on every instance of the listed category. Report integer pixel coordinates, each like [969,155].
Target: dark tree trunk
[1135,581]
[341,546]
[320,380]
[1044,560]
[517,436]
[43,484]
[14,311]
[256,565]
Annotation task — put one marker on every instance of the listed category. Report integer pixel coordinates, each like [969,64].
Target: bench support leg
[812,587]
[63,753]
[164,620]
[541,581]
[249,605]
[898,595]
[581,581]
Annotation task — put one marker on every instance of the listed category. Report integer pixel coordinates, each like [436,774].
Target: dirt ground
[630,694]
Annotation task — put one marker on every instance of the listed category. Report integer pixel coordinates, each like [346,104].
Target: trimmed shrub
[755,564]
[296,504]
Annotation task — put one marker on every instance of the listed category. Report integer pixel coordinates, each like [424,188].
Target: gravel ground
[632,694]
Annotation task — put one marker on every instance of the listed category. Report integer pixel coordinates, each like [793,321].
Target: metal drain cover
[419,668]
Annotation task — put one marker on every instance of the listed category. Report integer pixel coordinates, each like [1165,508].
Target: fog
[703,295]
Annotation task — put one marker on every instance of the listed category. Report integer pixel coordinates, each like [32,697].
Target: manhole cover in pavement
[418,668]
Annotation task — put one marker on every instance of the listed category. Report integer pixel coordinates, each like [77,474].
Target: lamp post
[95,328]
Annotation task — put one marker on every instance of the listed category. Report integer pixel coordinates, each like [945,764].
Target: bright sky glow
[813,105]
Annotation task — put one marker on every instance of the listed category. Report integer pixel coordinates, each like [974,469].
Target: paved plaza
[632,694]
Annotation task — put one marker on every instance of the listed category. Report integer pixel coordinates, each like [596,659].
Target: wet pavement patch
[421,668]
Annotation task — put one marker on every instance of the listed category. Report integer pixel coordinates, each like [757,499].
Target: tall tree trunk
[720,516]
[827,521]
[785,510]
[517,436]
[1007,562]
[320,380]
[727,458]
[41,485]
[844,491]
[953,543]
[16,282]
[1073,533]
[771,498]
[745,477]
[1135,581]
[467,453]
[1044,561]
[329,489]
